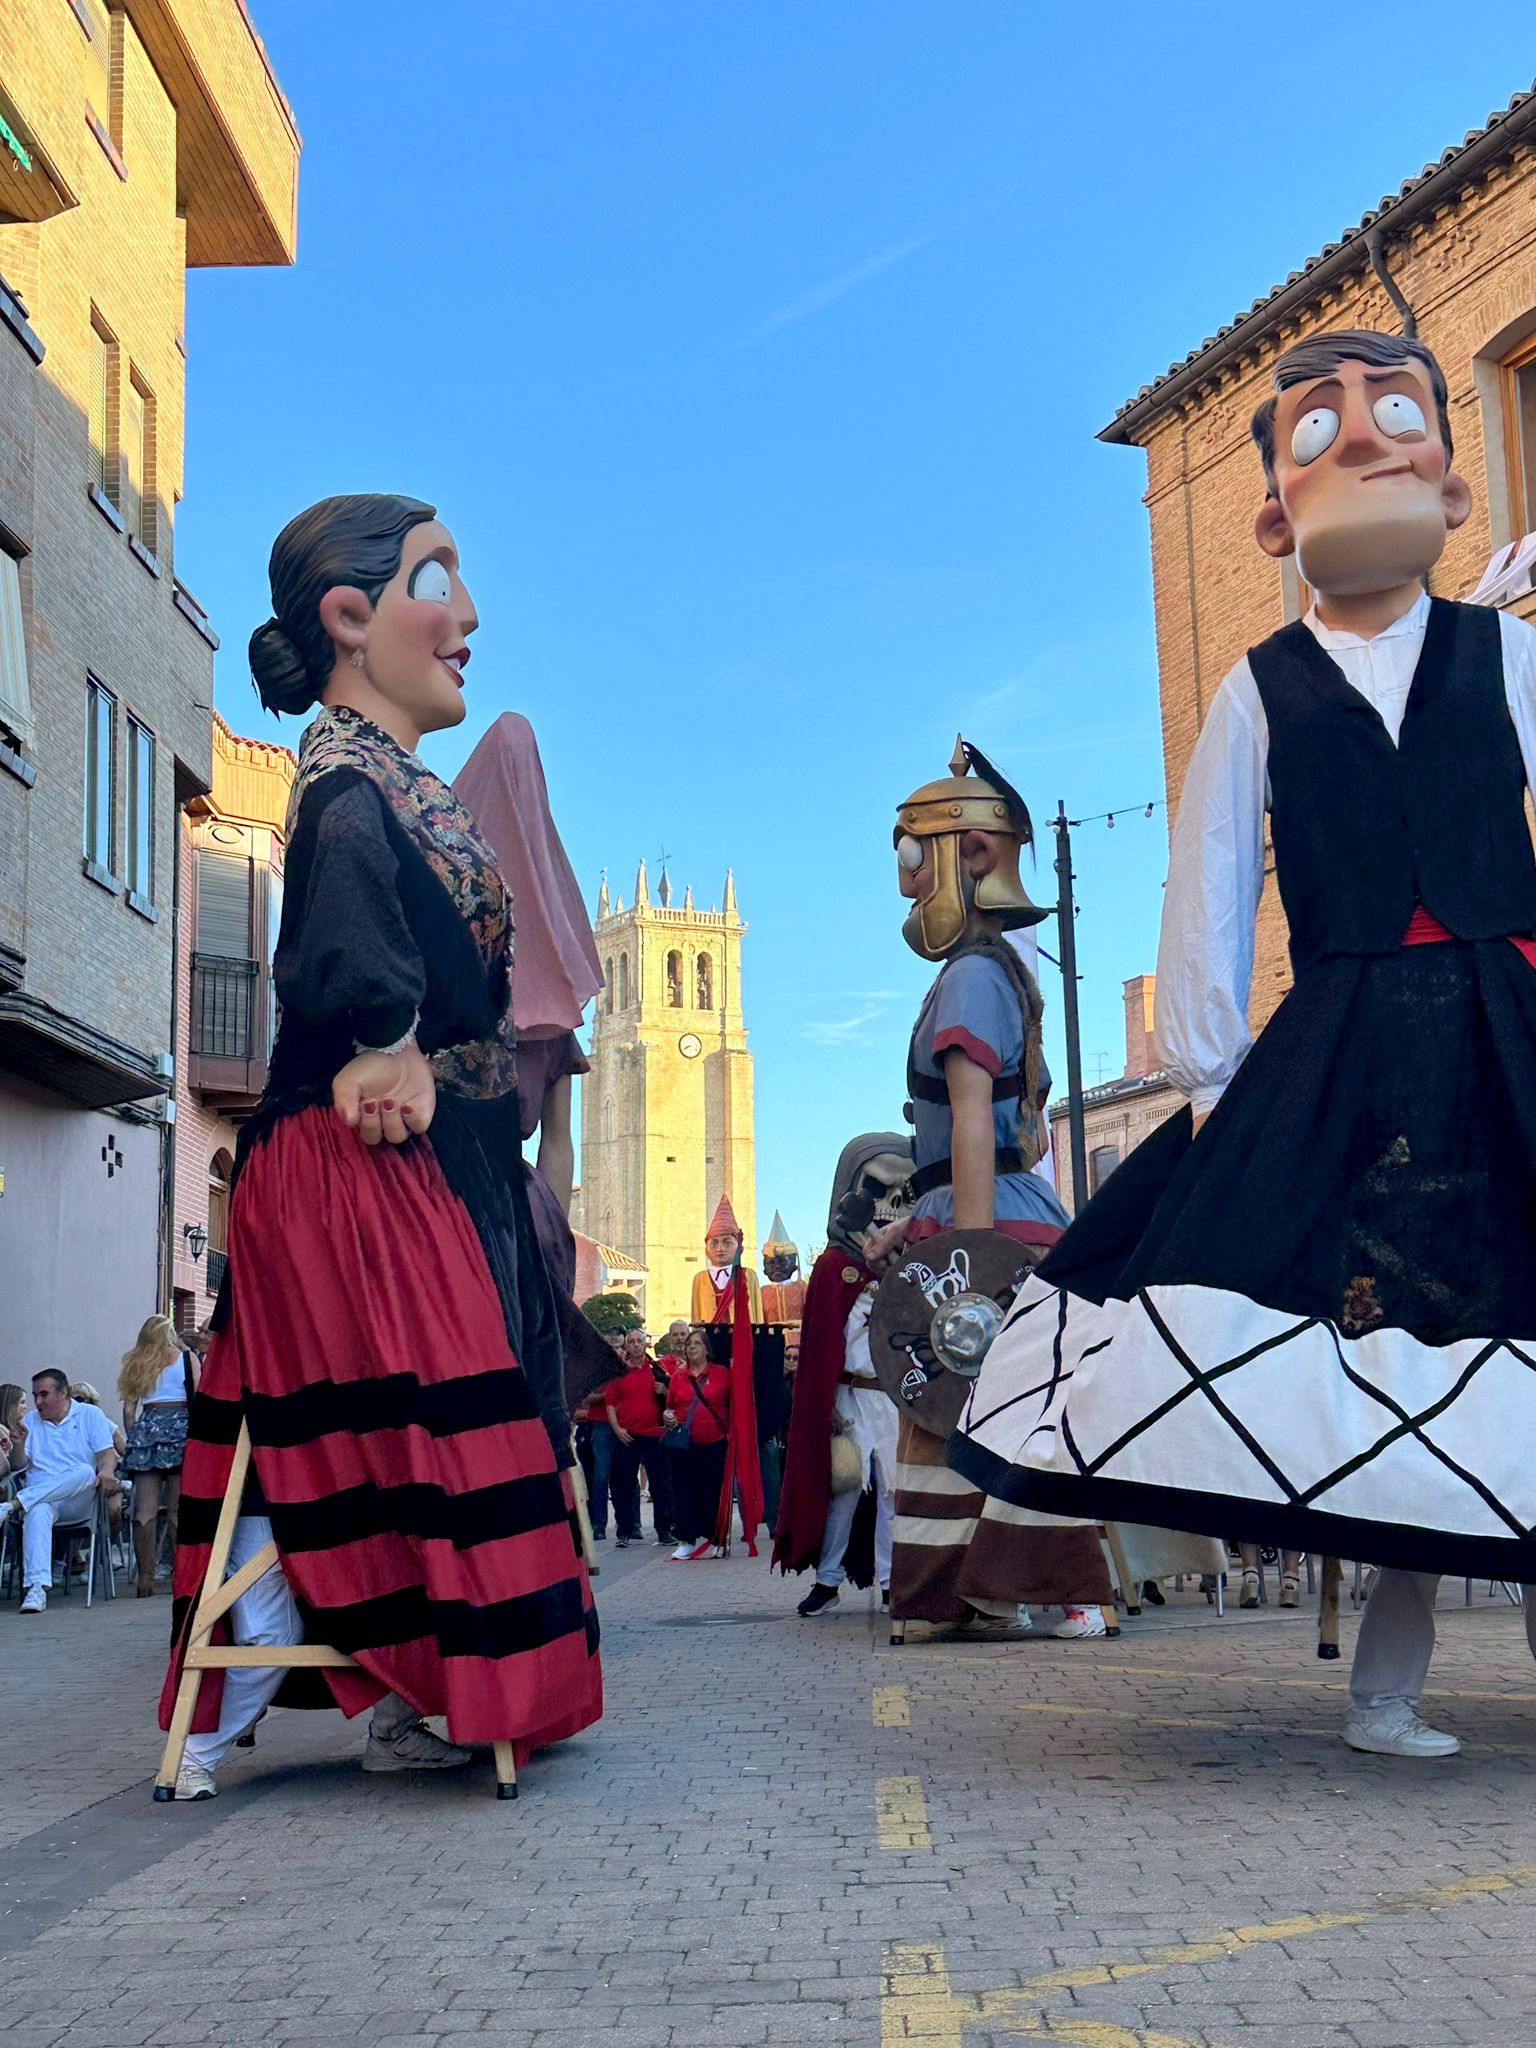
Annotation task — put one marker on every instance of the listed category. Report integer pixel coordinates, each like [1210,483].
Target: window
[608,986]
[223,904]
[1102,1161]
[705,999]
[136,497]
[15,698]
[674,981]
[139,839]
[100,404]
[623,981]
[100,762]
[104,72]
[1517,382]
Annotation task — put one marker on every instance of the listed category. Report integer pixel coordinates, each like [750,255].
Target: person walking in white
[69,1455]
[866,1415]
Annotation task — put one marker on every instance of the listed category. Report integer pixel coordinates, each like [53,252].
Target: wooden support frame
[217,1596]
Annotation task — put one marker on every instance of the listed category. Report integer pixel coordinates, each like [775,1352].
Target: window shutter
[98,410]
[15,698]
[223,904]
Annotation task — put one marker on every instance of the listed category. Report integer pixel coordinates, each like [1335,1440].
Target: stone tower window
[624,981]
[706,979]
[674,981]
[608,984]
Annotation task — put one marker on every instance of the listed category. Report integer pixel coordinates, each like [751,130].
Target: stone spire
[664,893]
[688,897]
[730,894]
[602,895]
[642,889]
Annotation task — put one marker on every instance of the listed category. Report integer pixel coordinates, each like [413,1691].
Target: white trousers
[841,1509]
[69,1496]
[267,1614]
[1397,1639]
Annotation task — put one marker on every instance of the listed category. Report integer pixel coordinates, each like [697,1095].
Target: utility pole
[1066,930]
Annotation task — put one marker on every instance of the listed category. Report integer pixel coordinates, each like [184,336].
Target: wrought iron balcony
[228,1030]
[217,1261]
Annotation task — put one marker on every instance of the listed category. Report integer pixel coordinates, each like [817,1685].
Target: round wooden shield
[934,1314]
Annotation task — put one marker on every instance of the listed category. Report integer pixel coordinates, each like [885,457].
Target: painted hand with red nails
[386,1097]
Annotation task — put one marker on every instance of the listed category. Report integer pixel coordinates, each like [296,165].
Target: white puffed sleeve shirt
[1216,862]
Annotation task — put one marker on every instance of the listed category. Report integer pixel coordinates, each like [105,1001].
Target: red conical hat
[723,1223]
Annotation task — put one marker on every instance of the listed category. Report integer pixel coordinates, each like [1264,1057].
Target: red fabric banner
[742,1469]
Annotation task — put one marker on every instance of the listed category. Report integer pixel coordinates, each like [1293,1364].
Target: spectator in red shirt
[631,1436]
[698,1401]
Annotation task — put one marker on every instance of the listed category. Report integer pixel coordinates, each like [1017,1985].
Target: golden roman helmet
[973,797]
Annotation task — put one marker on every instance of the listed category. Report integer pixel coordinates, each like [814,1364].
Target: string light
[1108,817]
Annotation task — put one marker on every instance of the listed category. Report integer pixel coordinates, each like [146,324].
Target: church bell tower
[666,1112]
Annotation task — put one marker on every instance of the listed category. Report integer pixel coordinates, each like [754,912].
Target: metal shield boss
[935,1316]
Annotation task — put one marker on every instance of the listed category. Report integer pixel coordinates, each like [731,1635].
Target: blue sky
[755,354]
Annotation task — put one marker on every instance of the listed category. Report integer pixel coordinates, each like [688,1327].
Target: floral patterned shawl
[448,840]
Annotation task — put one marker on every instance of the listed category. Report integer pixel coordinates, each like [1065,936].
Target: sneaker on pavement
[1396,1730]
[1080,1621]
[193,1782]
[36,1601]
[697,1550]
[414,1748]
[817,1601]
[682,1553]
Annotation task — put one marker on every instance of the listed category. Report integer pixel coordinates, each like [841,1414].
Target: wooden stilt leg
[1111,1621]
[213,1579]
[584,1519]
[898,1634]
[1130,1591]
[1328,1611]
[506,1770]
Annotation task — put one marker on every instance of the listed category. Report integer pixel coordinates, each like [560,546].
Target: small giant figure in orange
[1312,1323]
[712,1291]
[783,1290]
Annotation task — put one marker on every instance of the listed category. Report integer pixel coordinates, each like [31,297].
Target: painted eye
[1314,432]
[431,582]
[909,853]
[1398,414]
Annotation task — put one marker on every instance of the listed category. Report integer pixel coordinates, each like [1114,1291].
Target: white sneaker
[1396,1730]
[1080,1621]
[36,1601]
[1026,1619]
[193,1782]
[682,1553]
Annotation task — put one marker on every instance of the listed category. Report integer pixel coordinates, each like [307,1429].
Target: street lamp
[196,1238]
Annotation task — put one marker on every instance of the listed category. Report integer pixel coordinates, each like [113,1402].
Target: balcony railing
[217,1261]
[223,1006]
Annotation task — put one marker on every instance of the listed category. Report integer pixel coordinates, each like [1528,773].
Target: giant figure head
[957,855]
[1356,447]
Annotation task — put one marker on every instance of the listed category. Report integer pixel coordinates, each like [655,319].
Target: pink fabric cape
[556,972]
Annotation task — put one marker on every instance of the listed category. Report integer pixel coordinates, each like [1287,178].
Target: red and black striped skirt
[412,1488]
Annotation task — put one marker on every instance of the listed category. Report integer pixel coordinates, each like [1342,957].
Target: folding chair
[98,1525]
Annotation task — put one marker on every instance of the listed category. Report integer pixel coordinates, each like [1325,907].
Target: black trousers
[697,1477]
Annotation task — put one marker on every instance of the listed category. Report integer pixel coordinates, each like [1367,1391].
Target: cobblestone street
[787,1832]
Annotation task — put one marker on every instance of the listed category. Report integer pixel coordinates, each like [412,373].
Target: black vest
[1364,831]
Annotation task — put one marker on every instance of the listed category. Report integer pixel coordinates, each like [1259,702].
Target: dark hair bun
[283,682]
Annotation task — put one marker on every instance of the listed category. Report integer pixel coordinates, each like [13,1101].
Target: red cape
[837,1280]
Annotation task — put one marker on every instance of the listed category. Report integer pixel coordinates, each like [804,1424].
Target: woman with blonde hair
[156,1383]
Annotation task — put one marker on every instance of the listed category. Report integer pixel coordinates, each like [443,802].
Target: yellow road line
[915,2001]
[918,2004]
[890,1707]
[901,1816]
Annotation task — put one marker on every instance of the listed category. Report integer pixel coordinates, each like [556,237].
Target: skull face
[879,1196]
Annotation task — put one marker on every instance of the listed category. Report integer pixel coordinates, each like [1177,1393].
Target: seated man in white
[68,1454]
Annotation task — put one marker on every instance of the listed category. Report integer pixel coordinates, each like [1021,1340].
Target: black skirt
[1315,1325]
[1373,1163]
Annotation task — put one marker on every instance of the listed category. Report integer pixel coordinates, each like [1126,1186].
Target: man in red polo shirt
[632,1408]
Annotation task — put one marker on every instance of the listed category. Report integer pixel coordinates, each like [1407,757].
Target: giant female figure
[386,1328]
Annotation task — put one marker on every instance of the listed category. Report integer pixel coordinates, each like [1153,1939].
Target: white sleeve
[98,1430]
[856,1334]
[1517,640]
[1215,879]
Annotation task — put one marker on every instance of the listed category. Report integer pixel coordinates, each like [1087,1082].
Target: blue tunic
[973,1007]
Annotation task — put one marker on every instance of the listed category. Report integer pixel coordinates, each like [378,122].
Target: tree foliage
[612,1314]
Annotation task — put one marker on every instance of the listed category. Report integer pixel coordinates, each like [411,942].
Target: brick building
[231,896]
[137,138]
[1117,1115]
[1457,244]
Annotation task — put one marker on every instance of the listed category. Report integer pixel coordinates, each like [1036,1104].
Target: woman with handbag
[697,1420]
[156,1384]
